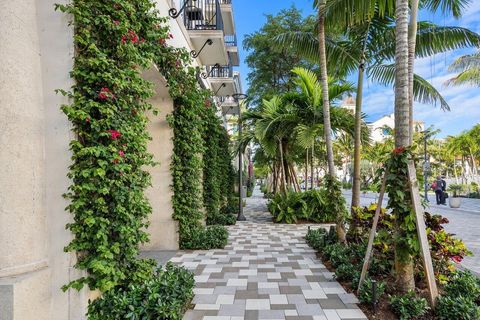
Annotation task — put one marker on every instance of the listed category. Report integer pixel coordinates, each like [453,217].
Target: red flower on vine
[178,63]
[105,93]
[132,36]
[116,22]
[399,150]
[87,120]
[115,161]
[121,153]
[114,134]
[162,41]
[457,259]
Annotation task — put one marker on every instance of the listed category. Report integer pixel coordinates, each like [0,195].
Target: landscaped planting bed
[460,289]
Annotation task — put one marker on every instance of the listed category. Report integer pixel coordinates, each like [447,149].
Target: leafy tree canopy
[270,66]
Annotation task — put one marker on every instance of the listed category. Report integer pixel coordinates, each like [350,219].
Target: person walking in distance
[437,187]
[444,191]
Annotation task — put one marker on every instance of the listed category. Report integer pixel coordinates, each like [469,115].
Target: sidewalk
[266,271]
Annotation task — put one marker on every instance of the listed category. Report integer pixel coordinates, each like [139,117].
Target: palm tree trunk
[324,83]
[284,178]
[412,41]
[357,143]
[311,166]
[403,259]
[455,172]
[306,169]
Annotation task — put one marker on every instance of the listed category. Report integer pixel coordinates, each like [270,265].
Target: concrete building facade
[36,55]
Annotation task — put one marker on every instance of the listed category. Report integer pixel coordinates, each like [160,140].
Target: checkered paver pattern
[266,271]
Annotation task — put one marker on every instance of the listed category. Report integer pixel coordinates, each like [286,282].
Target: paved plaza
[266,271]
[464,223]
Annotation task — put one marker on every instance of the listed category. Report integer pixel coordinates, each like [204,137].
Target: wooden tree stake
[373,231]
[422,234]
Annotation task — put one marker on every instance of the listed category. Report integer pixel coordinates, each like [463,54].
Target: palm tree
[469,68]
[403,259]
[324,85]
[368,25]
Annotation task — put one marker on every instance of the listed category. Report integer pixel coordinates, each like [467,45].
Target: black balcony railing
[226,1]
[203,15]
[231,40]
[220,71]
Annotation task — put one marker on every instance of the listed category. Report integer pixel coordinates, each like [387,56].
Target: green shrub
[315,207]
[316,238]
[166,295]
[222,220]
[212,237]
[408,306]
[338,254]
[366,293]
[457,307]
[347,185]
[346,272]
[287,207]
[464,283]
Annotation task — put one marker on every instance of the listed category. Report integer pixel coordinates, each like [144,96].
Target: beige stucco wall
[35,59]
[163,229]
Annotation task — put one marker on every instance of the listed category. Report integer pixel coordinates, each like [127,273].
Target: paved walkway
[464,223]
[266,271]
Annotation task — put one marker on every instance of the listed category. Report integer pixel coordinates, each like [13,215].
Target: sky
[464,101]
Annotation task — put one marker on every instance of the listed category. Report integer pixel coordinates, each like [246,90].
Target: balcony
[232,49]
[227,15]
[204,22]
[221,80]
[229,106]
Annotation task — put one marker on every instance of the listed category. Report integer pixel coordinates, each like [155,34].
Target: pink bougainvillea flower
[116,22]
[121,153]
[178,63]
[105,94]
[87,120]
[398,150]
[133,36]
[114,134]
[162,41]
[457,259]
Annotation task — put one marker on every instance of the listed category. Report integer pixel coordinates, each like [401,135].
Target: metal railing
[231,40]
[220,71]
[226,1]
[203,15]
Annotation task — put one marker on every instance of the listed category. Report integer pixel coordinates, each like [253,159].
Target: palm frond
[470,76]
[454,7]
[466,62]
[423,91]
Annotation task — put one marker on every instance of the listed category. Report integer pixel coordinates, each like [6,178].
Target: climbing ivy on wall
[114,41]
[218,172]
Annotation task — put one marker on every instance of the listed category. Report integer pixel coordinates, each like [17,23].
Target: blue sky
[379,100]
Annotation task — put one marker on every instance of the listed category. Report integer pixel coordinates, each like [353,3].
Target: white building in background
[36,58]
[383,128]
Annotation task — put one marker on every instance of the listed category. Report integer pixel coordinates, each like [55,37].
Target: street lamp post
[237,97]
